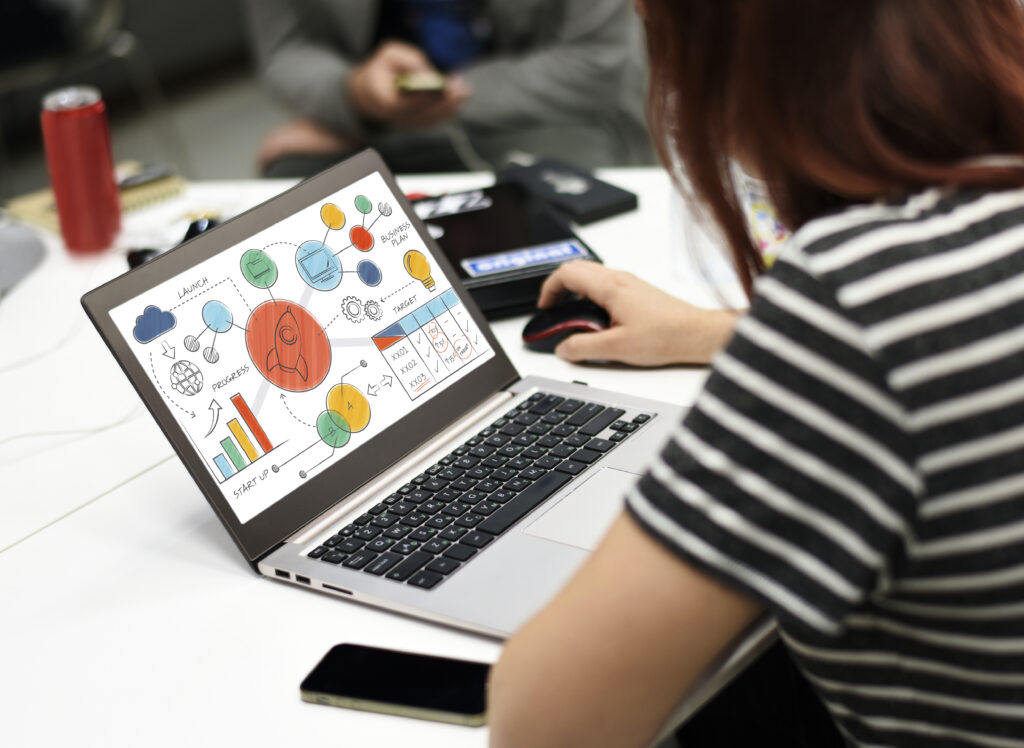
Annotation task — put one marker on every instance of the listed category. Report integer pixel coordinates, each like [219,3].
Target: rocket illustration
[287,350]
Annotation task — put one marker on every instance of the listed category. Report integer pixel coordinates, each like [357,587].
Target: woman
[854,464]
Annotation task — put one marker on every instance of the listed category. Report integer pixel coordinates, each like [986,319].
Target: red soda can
[78,153]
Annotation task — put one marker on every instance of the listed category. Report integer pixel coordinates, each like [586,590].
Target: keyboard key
[563,450]
[525,440]
[586,455]
[448,494]
[513,429]
[601,445]
[334,557]
[618,436]
[402,508]
[510,450]
[464,484]
[617,426]
[440,521]
[438,546]
[411,565]
[642,418]
[380,545]
[549,441]
[434,469]
[546,404]
[495,461]
[359,559]
[460,552]
[467,462]
[423,534]
[385,520]
[469,520]
[584,414]
[451,473]
[526,419]
[547,462]
[540,429]
[363,519]
[504,474]
[486,507]
[318,551]
[367,533]
[421,479]
[393,498]
[501,421]
[443,565]
[477,539]
[570,406]
[348,530]
[571,467]
[405,547]
[479,472]
[629,428]
[533,472]
[563,429]
[554,418]
[351,545]
[379,509]
[453,533]
[434,485]
[524,503]
[519,463]
[503,494]
[415,519]
[426,580]
[577,440]
[333,541]
[397,532]
[598,424]
[517,484]
[498,440]
[486,486]
[382,563]
[456,508]
[532,453]
[482,451]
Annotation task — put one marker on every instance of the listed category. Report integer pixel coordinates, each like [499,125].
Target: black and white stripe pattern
[856,460]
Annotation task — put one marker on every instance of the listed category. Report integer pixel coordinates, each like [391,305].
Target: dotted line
[283,400]
[276,244]
[241,297]
[207,290]
[332,321]
[157,380]
[385,298]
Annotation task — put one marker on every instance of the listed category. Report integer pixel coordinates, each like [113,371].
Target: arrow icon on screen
[215,411]
[168,350]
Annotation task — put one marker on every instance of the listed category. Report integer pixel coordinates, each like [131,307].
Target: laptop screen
[288,351]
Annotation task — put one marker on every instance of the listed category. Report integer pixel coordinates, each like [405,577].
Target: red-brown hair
[833,103]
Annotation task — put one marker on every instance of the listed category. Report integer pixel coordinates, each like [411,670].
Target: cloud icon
[153,323]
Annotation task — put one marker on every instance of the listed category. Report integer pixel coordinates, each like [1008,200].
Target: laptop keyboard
[446,516]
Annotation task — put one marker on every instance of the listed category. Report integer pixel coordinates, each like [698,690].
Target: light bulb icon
[418,267]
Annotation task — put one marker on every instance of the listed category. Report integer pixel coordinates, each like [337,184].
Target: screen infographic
[284,354]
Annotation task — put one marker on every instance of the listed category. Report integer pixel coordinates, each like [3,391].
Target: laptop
[344,407]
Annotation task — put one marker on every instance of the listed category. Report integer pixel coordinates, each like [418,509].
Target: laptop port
[282,574]
[337,589]
[301,579]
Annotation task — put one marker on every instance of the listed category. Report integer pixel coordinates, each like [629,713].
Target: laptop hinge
[454,432]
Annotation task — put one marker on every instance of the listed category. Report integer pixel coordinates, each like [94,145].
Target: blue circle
[217,316]
[369,273]
[318,266]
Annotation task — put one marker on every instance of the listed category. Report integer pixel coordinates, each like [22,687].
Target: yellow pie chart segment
[350,404]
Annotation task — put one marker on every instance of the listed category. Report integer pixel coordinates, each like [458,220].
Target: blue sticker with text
[544,254]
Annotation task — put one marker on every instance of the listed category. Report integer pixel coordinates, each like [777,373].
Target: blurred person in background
[563,78]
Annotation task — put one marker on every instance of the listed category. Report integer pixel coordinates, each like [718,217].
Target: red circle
[361,238]
[288,346]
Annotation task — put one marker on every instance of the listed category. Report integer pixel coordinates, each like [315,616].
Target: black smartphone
[402,683]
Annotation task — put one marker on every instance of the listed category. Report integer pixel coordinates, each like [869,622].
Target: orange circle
[288,346]
[361,238]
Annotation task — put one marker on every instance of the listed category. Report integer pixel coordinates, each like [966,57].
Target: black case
[577,194]
[503,243]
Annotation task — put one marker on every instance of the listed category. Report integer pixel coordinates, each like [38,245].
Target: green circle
[363,204]
[333,429]
[259,269]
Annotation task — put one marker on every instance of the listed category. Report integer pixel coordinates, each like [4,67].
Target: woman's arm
[606,662]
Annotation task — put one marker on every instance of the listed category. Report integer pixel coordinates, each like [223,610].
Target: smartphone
[402,683]
[421,82]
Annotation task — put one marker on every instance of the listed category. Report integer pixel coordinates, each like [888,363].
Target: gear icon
[352,308]
[373,310]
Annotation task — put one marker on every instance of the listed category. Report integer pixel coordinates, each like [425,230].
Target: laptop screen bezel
[289,514]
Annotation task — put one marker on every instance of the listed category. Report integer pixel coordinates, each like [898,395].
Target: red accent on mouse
[549,327]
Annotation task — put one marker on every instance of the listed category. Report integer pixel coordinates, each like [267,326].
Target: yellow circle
[332,216]
[350,404]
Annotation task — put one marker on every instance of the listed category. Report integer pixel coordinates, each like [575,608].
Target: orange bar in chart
[250,420]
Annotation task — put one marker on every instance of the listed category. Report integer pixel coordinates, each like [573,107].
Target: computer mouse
[549,327]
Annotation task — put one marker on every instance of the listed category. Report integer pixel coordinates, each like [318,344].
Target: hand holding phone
[401,683]
[423,81]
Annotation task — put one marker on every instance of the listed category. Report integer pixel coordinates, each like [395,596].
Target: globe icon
[186,378]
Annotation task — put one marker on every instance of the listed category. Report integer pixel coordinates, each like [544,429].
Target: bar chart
[243,445]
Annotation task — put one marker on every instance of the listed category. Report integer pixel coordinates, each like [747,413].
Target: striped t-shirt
[856,461]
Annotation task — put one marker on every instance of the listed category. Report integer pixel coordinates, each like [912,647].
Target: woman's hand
[648,326]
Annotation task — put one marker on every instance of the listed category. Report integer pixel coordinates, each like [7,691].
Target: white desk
[128,615]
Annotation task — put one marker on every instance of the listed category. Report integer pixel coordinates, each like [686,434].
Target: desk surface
[129,615]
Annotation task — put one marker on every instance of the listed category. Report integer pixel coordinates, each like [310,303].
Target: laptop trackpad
[583,517]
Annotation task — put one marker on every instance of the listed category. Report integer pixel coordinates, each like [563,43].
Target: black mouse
[549,327]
